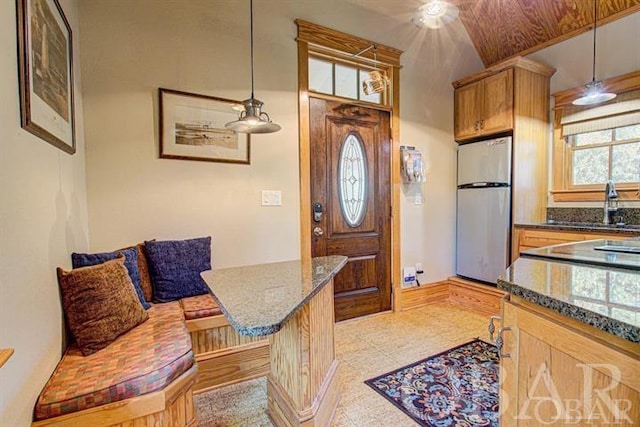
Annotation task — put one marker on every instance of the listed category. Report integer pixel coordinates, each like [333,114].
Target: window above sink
[595,144]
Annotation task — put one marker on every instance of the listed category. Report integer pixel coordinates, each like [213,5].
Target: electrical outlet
[409,276]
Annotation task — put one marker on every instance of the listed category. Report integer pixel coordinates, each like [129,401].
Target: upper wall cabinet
[487,103]
[484,107]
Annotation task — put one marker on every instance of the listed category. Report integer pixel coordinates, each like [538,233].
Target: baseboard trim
[424,295]
[477,296]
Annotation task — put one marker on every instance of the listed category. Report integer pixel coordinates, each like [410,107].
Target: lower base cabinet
[558,371]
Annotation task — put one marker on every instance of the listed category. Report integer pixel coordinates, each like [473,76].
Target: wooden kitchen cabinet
[552,366]
[530,238]
[484,107]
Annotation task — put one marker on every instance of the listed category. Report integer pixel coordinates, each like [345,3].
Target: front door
[351,202]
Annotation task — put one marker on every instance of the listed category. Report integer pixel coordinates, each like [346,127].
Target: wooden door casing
[364,284]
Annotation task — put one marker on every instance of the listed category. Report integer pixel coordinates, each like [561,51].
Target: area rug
[458,387]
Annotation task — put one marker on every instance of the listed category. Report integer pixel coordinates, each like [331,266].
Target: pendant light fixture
[594,93]
[378,80]
[252,119]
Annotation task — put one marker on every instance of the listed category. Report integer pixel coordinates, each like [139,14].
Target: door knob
[317,231]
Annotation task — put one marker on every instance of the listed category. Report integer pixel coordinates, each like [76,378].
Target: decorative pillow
[143,268]
[100,303]
[130,261]
[175,267]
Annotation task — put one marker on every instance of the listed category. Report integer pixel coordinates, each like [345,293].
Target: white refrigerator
[483,209]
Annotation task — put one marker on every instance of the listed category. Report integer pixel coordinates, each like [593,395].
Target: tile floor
[365,348]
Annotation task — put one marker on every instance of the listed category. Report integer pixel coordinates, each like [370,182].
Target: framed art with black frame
[45,67]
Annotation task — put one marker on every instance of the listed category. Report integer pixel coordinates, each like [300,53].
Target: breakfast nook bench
[147,375]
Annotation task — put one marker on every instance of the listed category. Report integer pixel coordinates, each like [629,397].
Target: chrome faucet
[610,202]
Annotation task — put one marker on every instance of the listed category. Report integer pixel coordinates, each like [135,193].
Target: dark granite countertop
[631,230]
[605,298]
[603,253]
[258,299]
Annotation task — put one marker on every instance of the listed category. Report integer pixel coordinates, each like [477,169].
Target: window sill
[592,195]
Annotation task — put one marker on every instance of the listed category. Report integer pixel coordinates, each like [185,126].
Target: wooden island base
[302,388]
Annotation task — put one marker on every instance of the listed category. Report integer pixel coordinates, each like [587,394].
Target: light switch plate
[271,198]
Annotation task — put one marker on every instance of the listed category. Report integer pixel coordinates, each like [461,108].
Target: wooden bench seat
[147,359]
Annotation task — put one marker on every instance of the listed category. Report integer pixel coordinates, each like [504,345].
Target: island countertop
[258,299]
[605,298]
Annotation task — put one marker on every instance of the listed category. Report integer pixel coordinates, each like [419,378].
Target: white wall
[43,218]
[129,49]
[618,52]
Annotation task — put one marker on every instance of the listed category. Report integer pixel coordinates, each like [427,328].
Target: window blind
[624,110]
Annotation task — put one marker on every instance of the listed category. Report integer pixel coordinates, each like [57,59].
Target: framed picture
[45,65]
[192,128]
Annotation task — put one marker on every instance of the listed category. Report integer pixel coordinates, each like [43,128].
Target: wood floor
[365,348]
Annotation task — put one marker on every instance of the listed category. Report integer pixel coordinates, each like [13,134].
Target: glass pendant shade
[252,119]
[594,93]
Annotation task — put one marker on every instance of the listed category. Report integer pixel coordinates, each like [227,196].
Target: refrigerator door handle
[484,185]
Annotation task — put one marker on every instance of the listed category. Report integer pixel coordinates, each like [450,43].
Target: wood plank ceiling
[501,29]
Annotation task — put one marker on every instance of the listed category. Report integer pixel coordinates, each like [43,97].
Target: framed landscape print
[192,128]
[46,72]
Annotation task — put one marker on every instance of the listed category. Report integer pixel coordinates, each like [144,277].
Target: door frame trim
[312,37]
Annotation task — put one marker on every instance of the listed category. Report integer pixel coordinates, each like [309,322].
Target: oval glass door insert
[352,180]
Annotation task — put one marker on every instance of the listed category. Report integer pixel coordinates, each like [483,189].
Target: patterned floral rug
[458,387]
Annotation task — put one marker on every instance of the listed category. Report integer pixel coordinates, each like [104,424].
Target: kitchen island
[292,303]
[570,344]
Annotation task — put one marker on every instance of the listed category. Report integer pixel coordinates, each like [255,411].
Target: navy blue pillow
[130,261]
[175,267]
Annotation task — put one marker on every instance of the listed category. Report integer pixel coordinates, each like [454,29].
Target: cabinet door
[559,376]
[509,367]
[468,103]
[497,115]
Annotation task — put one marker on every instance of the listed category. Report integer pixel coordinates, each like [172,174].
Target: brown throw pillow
[100,303]
[145,278]
[143,267]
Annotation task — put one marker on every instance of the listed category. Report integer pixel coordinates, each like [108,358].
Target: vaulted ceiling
[501,29]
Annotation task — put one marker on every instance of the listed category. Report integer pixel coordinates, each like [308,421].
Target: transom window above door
[333,77]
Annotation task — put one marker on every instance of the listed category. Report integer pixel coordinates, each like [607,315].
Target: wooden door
[468,106]
[351,184]
[497,106]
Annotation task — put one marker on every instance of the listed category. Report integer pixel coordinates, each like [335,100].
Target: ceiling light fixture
[435,14]
[252,119]
[595,93]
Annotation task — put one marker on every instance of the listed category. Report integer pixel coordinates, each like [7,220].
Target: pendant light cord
[251,32]
[595,26]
